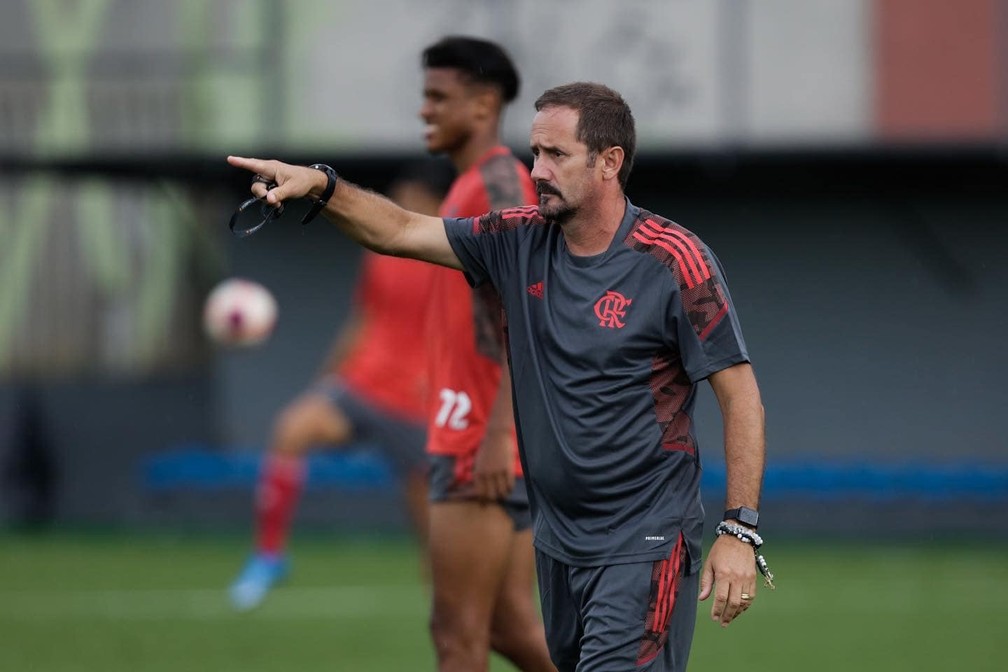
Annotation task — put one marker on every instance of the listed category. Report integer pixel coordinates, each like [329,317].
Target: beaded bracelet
[743,533]
[747,536]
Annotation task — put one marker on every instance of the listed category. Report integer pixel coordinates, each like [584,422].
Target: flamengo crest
[611,310]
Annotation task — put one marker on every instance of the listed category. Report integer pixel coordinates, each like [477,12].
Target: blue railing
[203,467]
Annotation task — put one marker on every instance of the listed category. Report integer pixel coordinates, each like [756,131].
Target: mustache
[544,188]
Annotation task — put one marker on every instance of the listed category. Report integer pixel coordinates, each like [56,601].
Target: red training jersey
[387,364]
[464,335]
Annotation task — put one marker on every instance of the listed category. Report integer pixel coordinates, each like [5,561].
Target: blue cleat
[260,573]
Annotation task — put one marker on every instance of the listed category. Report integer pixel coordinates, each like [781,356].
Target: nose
[425,110]
[539,172]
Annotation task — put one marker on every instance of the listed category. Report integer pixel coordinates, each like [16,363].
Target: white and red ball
[239,312]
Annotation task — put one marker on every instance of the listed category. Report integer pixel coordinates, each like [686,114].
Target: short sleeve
[705,324]
[487,245]
[468,248]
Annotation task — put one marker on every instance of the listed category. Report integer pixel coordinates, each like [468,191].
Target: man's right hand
[369,218]
[292,181]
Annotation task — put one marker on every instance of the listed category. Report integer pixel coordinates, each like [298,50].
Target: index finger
[257,166]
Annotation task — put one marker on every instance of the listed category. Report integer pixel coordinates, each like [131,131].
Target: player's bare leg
[310,420]
[314,421]
[469,547]
[415,485]
[517,631]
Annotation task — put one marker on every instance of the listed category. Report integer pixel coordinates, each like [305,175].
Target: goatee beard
[557,215]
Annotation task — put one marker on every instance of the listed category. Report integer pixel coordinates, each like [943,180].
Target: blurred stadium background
[846,159]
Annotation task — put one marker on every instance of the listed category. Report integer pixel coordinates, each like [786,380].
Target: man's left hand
[730,573]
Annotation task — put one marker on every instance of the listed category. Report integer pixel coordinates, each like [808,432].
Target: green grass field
[114,603]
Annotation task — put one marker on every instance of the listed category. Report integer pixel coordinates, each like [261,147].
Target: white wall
[236,75]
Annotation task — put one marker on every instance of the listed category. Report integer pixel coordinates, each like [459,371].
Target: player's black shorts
[402,442]
[445,487]
[636,616]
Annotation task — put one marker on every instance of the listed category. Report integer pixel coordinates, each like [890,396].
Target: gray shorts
[401,442]
[636,616]
[444,486]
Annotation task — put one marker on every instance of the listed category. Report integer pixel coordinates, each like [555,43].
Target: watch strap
[744,515]
[331,179]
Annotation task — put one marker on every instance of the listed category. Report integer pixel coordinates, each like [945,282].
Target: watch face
[744,514]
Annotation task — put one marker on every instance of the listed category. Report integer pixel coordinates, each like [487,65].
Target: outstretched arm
[372,220]
[730,570]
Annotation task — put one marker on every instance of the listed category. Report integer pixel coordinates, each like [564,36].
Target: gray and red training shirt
[606,352]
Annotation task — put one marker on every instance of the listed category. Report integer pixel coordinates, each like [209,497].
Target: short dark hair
[480,60]
[604,121]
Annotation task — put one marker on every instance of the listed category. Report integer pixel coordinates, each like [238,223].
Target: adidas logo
[536,290]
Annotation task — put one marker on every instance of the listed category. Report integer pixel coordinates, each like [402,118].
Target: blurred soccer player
[372,387]
[482,563]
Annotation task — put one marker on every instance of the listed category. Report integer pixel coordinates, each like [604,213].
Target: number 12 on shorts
[454,411]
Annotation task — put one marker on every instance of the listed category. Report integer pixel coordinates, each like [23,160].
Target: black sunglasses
[248,219]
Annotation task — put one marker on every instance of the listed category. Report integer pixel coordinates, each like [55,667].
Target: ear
[487,102]
[612,161]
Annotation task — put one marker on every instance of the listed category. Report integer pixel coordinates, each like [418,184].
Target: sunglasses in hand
[254,213]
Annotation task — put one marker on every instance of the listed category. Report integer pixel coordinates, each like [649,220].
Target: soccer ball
[239,312]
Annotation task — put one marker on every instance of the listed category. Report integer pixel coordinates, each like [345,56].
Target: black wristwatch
[744,515]
[331,178]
